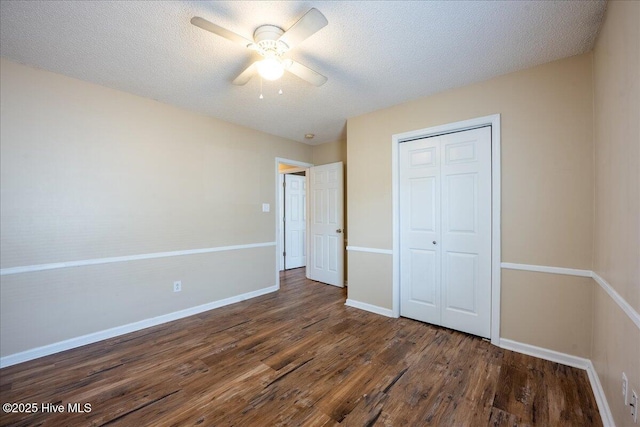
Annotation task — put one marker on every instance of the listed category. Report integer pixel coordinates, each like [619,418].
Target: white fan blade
[305,73]
[310,22]
[246,75]
[222,32]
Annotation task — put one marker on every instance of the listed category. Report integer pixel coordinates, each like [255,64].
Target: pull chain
[261,95]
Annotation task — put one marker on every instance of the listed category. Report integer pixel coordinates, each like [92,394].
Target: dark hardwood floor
[298,357]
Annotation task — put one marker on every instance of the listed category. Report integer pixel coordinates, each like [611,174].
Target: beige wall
[547,191]
[330,152]
[369,276]
[616,340]
[90,172]
[535,306]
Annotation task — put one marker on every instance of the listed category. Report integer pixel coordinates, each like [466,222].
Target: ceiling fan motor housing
[266,38]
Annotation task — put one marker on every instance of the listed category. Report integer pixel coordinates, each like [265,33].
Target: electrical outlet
[634,405]
[625,387]
[177,286]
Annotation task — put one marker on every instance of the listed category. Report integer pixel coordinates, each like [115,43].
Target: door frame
[283,202]
[396,139]
[278,214]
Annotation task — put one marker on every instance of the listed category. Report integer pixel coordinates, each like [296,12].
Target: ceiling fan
[272,42]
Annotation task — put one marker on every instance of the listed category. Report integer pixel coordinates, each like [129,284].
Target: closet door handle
[434,242]
[339,230]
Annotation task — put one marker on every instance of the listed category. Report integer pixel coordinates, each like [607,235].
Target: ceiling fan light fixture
[270,68]
[272,42]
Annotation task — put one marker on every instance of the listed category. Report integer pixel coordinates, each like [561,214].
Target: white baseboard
[546,354]
[369,307]
[601,398]
[47,350]
[569,360]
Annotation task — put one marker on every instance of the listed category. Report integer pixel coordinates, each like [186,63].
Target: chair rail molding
[109,260]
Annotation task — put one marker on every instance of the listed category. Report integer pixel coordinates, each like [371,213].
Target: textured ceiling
[375,53]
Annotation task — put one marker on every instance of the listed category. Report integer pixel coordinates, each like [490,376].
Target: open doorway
[299,170]
[293,218]
[323,224]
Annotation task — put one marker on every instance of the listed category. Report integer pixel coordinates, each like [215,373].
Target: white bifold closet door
[445,230]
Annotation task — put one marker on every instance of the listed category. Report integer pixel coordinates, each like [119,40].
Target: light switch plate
[266,207]
[625,388]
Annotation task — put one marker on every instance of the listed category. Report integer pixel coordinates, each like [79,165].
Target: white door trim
[277,210]
[494,122]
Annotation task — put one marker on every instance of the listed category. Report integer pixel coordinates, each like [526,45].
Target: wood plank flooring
[298,357]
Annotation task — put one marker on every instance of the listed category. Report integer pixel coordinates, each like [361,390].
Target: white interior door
[445,230]
[295,221]
[326,239]
[420,230]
